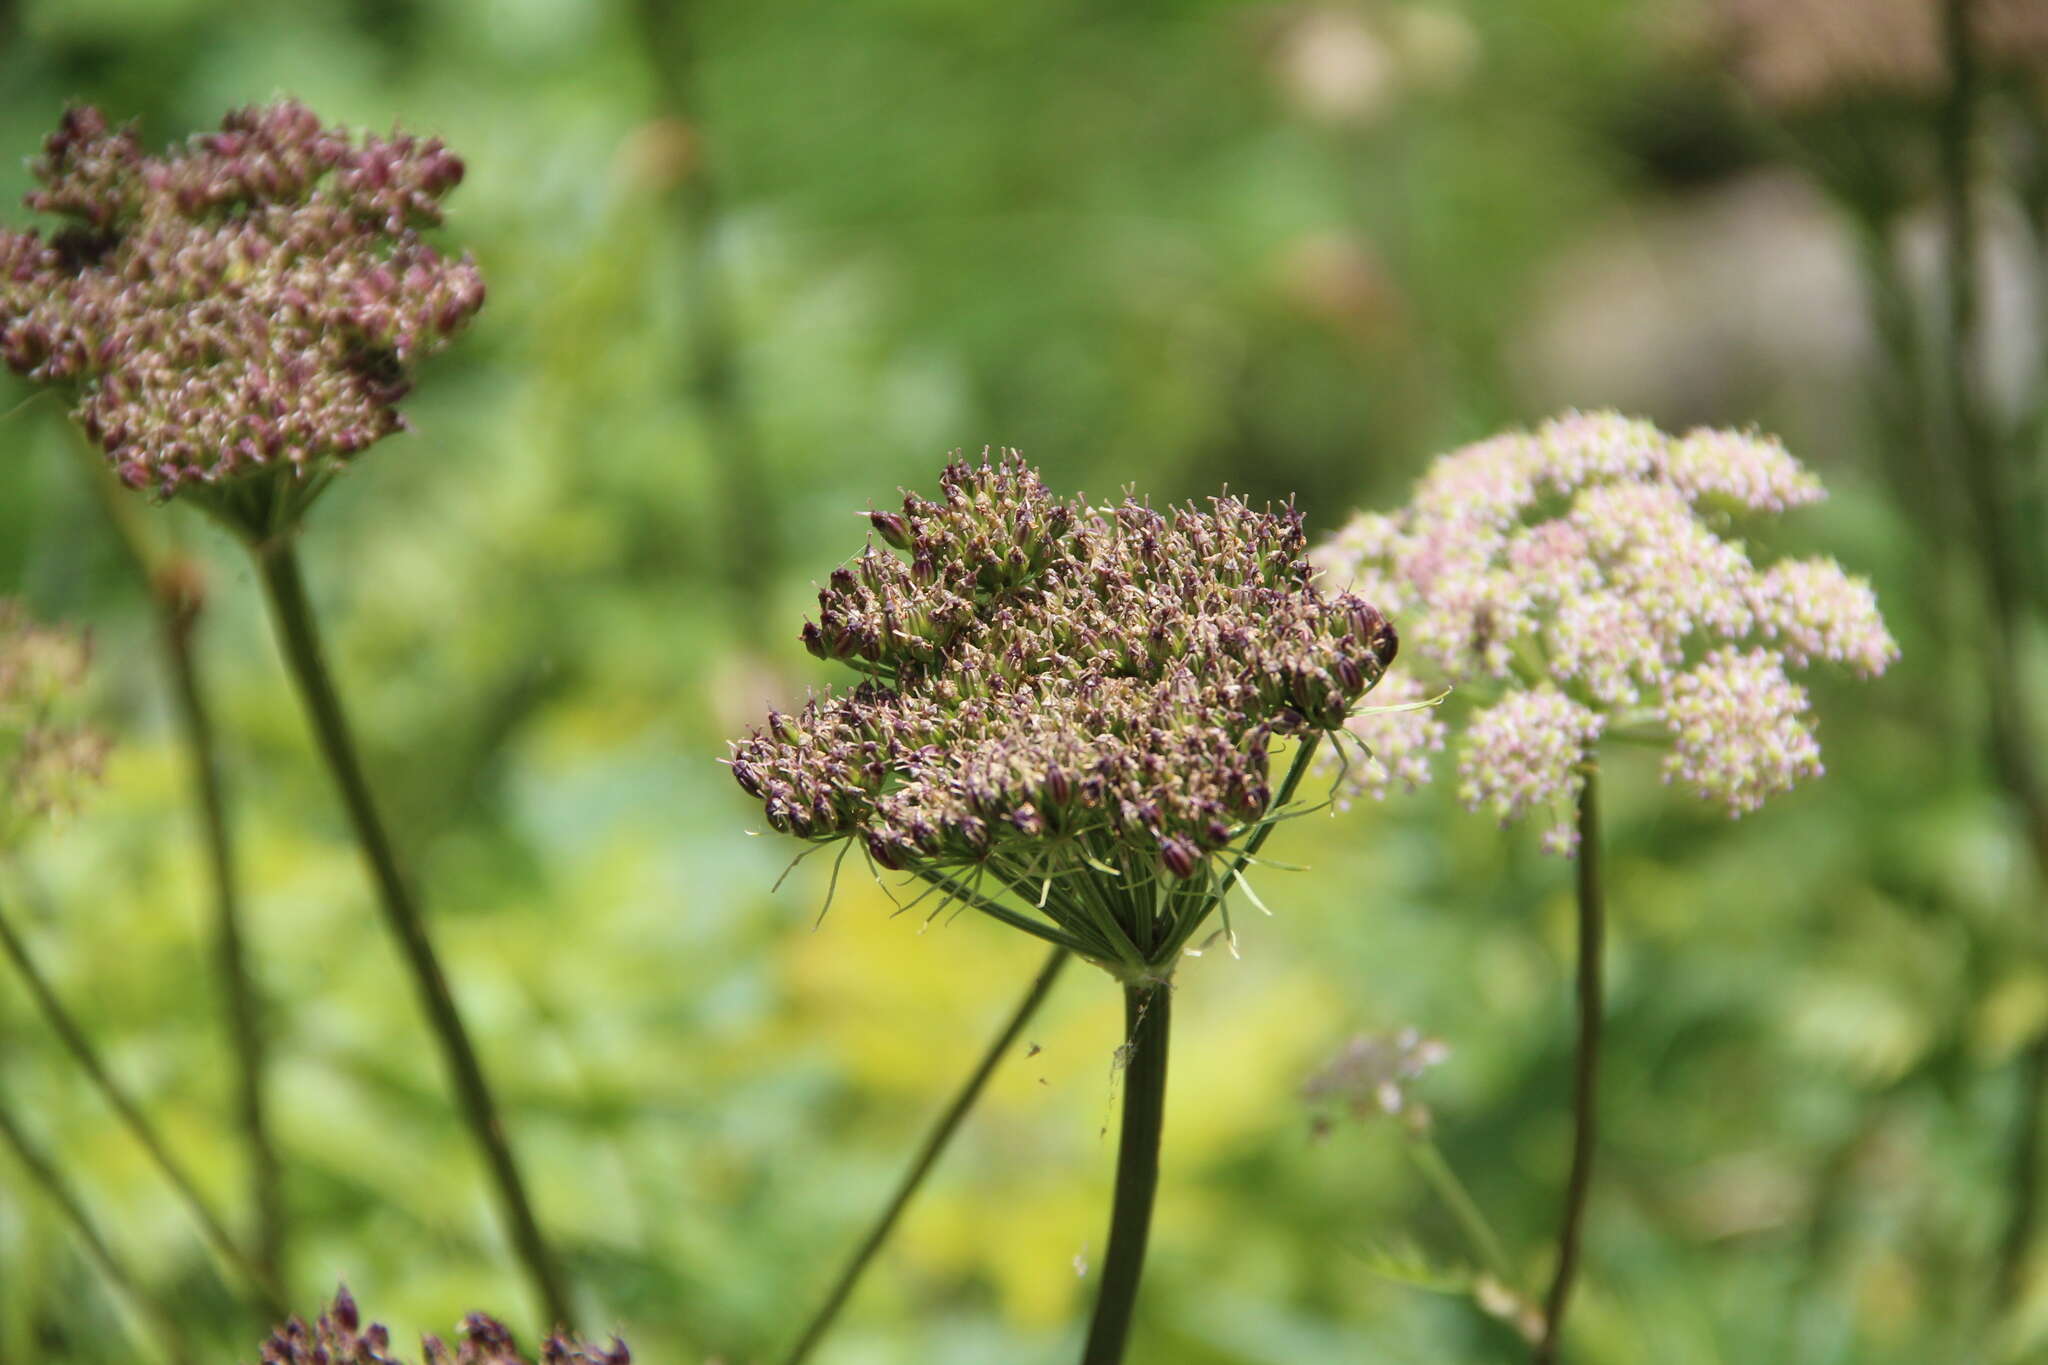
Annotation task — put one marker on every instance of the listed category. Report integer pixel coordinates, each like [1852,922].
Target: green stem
[1147,1019]
[298,636]
[1585,1074]
[927,1155]
[66,1027]
[231,959]
[1444,1183]
[1981,450]
[176,591]
[44,1172]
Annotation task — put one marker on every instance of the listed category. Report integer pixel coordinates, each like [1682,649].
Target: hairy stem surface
[1585,1073]
[1147,1018]
[65,1025]
[299,638]
[927,1155]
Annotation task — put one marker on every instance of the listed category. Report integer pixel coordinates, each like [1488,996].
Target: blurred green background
[752,267]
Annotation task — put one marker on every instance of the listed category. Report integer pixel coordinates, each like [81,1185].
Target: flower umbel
[340,1337]
[1374,1076]
[1583,571]
[46,758]
[1077,702]
[241,315]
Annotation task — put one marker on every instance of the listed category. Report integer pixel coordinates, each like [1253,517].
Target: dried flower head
[339,1337]
[1077,702]
[1582,570]
[241,315]
[1373,1077]
[1798,56]
[46,757]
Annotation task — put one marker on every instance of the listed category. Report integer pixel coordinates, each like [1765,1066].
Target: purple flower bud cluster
[340,1337]
[1583,571]
[1054,687]
[254,301]
[46,758]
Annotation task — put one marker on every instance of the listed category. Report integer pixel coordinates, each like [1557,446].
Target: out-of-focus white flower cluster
[45,758]
[1582,568]
[1373,1077]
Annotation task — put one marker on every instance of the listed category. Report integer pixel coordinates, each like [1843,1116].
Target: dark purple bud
[748,777]
[1179,856]
[884,851]
[893,529]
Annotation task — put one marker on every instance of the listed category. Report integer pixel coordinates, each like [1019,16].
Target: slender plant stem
[1585,1072]
[927,1155]
[1446,1185]
[176,591]
[244,1007]
[1980,451]
[714,377]
[2023,1176]
[44,1172]
[298,636]
[269,1298]
[1147,1020]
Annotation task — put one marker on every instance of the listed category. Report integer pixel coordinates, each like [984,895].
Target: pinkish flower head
[245,310]
[1585,572]
[1058,694]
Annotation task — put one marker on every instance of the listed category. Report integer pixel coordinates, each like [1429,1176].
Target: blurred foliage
[751,268]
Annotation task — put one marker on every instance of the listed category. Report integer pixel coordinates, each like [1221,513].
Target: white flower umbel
[1583,580]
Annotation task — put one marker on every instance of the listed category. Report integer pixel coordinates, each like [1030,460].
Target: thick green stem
[1147,1019]
[1585,1072]
[44,1172]
[298,636]
[927,1155]
[268,1296]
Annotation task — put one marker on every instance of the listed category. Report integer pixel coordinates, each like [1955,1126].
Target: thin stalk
[176,592]
[1147,1019]
[1444,1183]
[1981,452]
[2023,1175]
[298,636]
[927,1155]
[44,1172]
[1585,1072]
[268,1296]
[714,370]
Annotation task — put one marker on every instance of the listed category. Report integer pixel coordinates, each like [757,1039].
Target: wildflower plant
[237,318]
[1579,577]
[1580,584]
[1067,720]
[339,1336]
[235,321]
